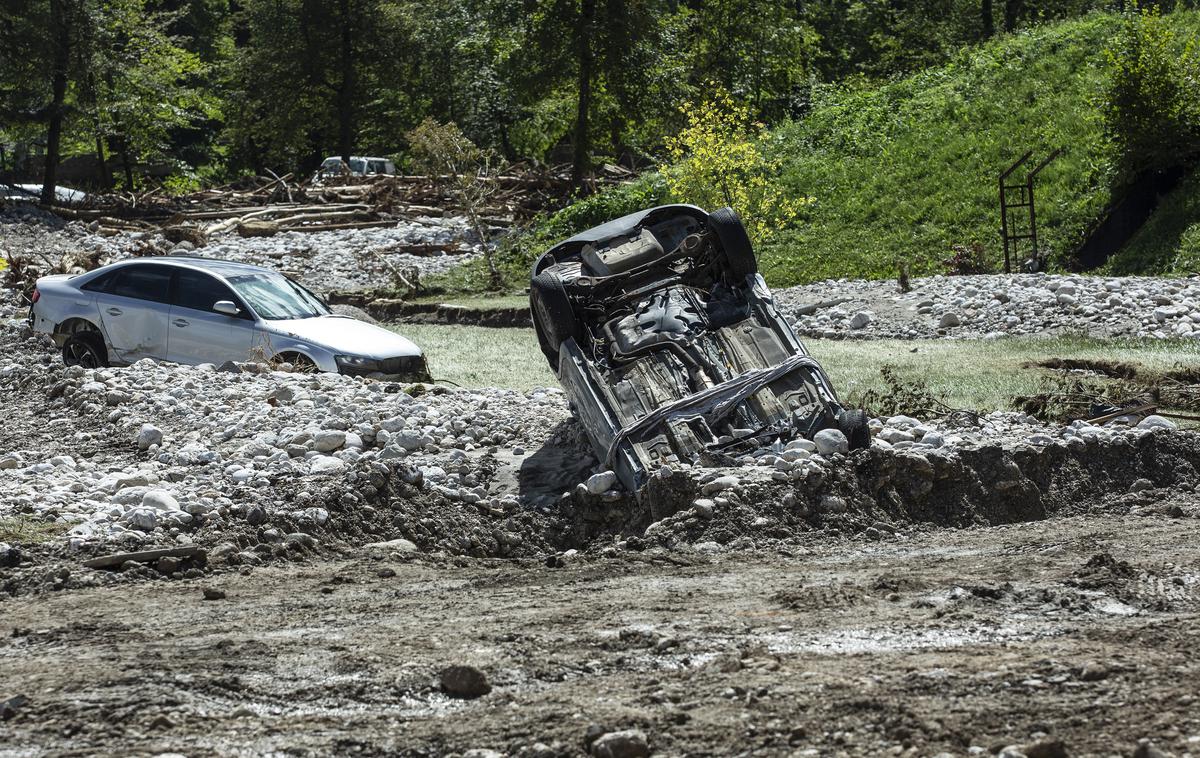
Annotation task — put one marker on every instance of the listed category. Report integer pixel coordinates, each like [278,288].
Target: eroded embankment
[874,491]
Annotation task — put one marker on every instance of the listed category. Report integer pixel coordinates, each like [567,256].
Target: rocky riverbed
[993,306]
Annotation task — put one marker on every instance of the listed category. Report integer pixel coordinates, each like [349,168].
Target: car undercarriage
[670,347]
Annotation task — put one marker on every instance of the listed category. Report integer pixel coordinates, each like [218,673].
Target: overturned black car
[669,345]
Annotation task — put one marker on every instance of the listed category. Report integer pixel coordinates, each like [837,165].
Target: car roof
[211,265]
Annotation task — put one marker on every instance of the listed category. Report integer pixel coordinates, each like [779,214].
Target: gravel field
[994,305]
[348,566]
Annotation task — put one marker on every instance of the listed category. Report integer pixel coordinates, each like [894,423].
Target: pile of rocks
[351,259]
[996,305]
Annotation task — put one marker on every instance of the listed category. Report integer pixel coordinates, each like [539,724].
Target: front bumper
[405,368]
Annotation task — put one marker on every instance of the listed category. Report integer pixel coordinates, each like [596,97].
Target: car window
[198,291]
[102,283]
[142,282]
[358,165]
[273,296]
[378,167]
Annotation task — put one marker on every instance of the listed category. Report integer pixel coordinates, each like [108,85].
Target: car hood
[347,336]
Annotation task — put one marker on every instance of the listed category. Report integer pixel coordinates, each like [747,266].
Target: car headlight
[356,363]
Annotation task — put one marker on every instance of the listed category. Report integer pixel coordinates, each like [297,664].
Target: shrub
[720,159]
[1152,99]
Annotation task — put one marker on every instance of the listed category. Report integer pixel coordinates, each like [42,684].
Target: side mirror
[227,307]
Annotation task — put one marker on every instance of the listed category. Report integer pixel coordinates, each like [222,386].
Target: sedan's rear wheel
[85,349]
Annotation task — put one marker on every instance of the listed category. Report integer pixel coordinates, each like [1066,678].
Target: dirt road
[1079,629]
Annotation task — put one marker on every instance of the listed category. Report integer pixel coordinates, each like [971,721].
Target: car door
[133,311]
[198,334]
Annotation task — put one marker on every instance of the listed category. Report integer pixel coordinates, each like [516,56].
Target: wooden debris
[116,560]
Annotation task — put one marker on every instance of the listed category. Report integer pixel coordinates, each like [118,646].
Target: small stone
[830,441]
[1147,749]
[464,681]
[703,508]
[720,484]
[145,519]
[1141,485]
[1092,672]
[1046,748]
[328,440]
[9,555]
[160,500]
[598,484]
[1156,422]
[949,319]
[212,593]
[10,461]
[385,573]
[630,743]
[861,319]
[256,516]
[149,435]
[326,464]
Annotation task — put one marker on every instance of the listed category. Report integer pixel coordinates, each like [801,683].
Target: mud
[1076,630]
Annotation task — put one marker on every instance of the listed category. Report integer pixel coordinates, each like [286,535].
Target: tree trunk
[580,166]
[345,98]
[127,164]
[105,178]
[61,32]
[989,23]
[1012,14]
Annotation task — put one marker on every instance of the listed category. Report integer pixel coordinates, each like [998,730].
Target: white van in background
[358,166]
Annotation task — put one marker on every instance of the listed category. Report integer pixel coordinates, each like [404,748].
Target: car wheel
[735,242]
[552,309]
[852,422]
[85,349]
[301,363]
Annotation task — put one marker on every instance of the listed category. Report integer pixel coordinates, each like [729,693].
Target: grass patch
[478,302]
[477,356]
[24,530]
[983,375]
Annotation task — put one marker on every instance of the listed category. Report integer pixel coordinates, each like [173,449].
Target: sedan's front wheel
[85,349]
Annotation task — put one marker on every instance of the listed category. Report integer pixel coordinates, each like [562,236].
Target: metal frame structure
[1009,231]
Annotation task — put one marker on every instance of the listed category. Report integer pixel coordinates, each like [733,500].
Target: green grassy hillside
[903,171]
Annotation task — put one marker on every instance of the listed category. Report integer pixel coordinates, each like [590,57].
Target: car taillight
[36,295]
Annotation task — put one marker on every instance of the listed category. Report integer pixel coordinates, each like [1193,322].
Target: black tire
[852,422]
[552,311]
[735,242]
[85,349]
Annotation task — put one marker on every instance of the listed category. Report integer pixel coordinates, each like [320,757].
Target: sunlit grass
[24,530]
[978,374]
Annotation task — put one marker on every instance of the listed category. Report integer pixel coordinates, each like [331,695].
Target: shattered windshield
[275,297]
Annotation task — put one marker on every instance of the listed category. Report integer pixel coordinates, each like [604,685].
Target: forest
[198,91]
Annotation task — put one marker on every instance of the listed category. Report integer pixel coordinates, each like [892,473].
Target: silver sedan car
[197,310]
